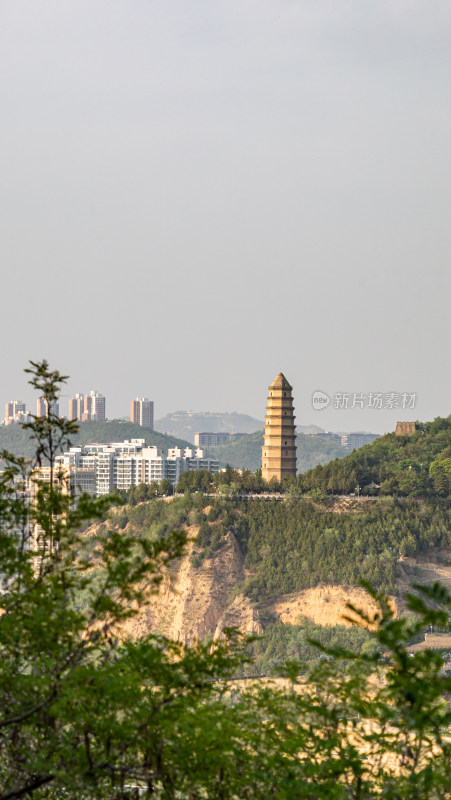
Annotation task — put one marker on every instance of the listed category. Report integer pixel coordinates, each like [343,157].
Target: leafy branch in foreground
[74,711]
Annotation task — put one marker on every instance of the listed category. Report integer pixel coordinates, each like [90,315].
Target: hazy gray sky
[196,194]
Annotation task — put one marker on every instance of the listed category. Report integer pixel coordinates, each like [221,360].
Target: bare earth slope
[324,605]
[195,602]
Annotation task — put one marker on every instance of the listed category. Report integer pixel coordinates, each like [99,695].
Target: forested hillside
[417,465]
[243,453]
[17,440]
[246,452]
[296,544]
[291,545]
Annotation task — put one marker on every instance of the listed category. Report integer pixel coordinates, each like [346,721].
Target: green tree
[440,471]
[140,493]
[407,546]
[195,481]
[165,487]
[131,496]
[442,481]
[152,490]
[80,710]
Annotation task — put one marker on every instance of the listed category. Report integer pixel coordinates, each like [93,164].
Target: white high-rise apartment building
[94,407]
[76,407]
[41,408]
[353,441]
[141,412]
[87,407]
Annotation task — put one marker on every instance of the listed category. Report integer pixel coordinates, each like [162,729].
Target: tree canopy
[399,465]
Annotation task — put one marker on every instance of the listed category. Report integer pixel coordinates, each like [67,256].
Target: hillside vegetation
[17,440]
[246,452]
[293,546]
[417,465]
[399,465]
[289,546]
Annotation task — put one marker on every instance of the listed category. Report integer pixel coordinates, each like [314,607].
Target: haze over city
[198,195]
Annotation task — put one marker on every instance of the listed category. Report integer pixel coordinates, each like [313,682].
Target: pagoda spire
[279,448]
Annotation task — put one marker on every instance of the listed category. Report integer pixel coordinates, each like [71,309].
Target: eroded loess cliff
[325,605]
[195,602]
[199,601]
[202,593]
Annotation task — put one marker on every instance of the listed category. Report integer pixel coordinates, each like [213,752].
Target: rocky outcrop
[242,615]
[196,602]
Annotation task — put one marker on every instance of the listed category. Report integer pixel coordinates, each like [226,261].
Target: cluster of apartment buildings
[89,407]
[16,412]
[99,468]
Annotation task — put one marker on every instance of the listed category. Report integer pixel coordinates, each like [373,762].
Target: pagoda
[279,448]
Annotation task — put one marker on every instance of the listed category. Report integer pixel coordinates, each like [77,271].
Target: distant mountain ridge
[246,452]
[184,424]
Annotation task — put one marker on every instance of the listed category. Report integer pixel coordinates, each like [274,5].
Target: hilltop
[15,439]
[418,465]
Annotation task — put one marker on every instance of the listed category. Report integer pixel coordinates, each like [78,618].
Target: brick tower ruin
[279,448]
